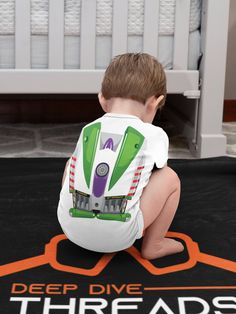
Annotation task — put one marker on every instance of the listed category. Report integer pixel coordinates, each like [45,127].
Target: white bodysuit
[107,172]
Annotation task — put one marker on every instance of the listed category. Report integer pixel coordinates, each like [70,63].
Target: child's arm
[64,174]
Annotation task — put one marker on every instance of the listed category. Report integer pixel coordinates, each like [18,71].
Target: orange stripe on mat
[190,288]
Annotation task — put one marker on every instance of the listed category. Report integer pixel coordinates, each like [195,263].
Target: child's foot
[162,248]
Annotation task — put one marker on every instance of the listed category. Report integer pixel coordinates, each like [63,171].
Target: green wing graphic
[130,146]
[90,141]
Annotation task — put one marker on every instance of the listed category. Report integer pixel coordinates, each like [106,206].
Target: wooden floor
[64,108]
[229,110]
[49,108]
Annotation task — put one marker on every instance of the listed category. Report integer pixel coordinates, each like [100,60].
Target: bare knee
[173,179]
[163,183]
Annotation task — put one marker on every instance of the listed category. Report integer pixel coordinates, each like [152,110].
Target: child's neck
[126,106]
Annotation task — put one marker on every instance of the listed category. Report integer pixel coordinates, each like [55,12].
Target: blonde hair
[134,76]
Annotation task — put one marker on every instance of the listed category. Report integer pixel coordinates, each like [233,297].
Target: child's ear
[158,101]
[102,102]
[153,103]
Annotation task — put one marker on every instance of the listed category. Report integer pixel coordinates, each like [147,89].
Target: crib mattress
[39,50]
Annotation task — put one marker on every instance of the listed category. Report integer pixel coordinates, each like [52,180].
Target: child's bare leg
[159,201]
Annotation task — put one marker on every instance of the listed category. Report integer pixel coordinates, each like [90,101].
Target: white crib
[197,109]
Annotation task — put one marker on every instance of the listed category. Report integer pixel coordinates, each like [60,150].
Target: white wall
[230,82]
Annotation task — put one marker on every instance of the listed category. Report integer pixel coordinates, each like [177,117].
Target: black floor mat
[38,277]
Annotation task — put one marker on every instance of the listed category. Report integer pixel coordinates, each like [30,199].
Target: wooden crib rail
[151,26]
[56,34]
[181,37]
[119,27]
[22,34]
[88,34]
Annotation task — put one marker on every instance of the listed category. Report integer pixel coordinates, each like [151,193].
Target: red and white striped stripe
[72,173]
[135,180]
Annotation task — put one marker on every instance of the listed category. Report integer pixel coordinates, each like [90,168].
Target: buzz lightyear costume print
[99,202]
[101,157]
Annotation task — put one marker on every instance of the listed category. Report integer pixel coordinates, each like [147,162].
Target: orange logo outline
[50,257]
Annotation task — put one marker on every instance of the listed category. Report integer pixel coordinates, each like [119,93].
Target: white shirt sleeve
[160,148]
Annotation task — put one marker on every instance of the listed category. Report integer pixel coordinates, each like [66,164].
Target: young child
[111,195]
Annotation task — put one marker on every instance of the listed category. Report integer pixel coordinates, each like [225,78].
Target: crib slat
[56,34]
[22,34]
[87,34]
[119,27]
[151,27]
[181,37]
